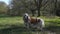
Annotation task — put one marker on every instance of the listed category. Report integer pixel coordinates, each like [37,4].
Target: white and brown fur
[33,22]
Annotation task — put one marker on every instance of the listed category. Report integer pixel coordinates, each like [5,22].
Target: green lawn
[6,22]
[10,21]
[15,25]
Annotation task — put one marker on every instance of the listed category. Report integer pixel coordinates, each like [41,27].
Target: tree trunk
[33,12]
[38,11]
[55,6]
[39,6]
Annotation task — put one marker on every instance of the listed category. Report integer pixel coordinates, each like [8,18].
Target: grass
[55,21]
[15,25]
[10,21]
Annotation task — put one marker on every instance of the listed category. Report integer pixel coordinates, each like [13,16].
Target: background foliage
[34,7]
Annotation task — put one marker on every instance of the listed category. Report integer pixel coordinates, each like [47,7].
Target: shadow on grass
[53,27]
[15,29]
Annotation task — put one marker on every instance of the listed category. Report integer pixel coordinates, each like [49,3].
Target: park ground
[15,25]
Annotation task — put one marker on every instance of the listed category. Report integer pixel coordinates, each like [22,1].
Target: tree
[38,4]
[30,6]
[3,8]
[22,6]
[58,8]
